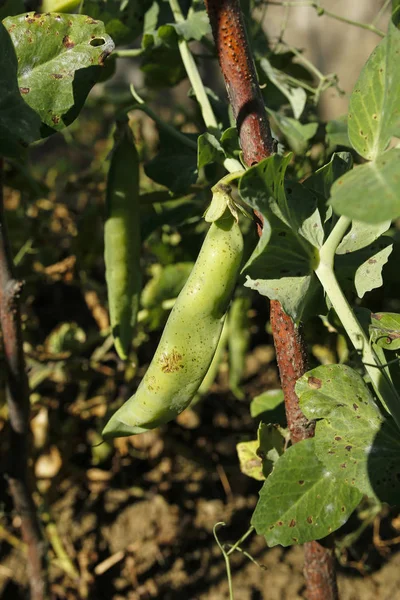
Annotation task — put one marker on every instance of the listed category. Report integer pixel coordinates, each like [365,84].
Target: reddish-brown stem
[237,66]
[18,408]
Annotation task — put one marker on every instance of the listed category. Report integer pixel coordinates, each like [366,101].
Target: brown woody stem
[235,58]
[18,408]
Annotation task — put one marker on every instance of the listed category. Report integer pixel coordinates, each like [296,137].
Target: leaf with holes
[370,192]
[352,438]
[19,124]
[59,61]
[301,500]
[281,266]
[374,115]
[385,330]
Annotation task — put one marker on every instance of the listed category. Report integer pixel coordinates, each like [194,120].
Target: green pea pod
[239,340]
[190,337]
[122,239]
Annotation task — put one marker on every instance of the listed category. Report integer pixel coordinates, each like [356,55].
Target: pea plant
[309,231]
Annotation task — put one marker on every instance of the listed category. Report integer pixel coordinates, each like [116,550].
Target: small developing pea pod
[122,239]
[190,337]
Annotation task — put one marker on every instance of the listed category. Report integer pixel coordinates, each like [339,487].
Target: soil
[140,526]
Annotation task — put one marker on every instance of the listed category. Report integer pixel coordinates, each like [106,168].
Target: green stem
[242,539]
[325,273]
[129,53]
[193,73]
[226,558]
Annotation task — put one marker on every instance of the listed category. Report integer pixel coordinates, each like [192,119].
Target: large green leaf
[281,266]
[19,124]
[352,438]
[59,61]
[370,192]
[374,115]
[301,500]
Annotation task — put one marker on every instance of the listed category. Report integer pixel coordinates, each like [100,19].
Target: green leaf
[56,58]
[337,132]
[209,150]
[282,265]
[301,500]
[123,20]
[361,235]
[19,124]
[165,284]
[352,438]
[321,181]
[370,192]
[265,402]
[175,166]
[162,62]
[385,330]
[361,262]
[296,95]
[374,116]
[195,27]
[296,133]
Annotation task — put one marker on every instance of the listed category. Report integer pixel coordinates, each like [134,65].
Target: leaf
[123,20]
[195,27]
[162,62]
[296,95]
[370,192]
[352,438]
[385,330]
[374,115]
[209,150]
[337,132]
[57,55]
[257,457]
[295,132]
[165,284]
[249,462]
[281,266]
[361,235]
[363,265]
[175,166]
[321,181]
[301,500]
[19,124]
[265,402]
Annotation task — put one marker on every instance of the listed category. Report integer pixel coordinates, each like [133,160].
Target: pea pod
[239,340]
[122,239]
[190,337]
